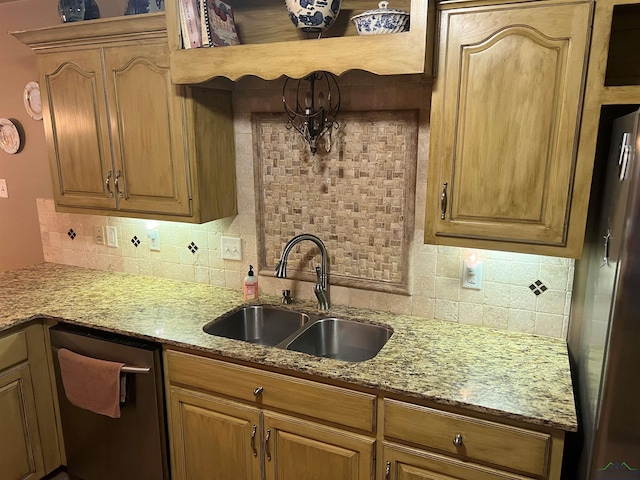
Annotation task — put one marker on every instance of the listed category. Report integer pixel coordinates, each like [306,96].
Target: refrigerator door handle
[625,153]
[607,239]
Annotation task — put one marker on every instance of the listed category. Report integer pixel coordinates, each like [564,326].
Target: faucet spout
[322,282]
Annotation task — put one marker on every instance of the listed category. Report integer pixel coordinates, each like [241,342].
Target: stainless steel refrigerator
[604,337]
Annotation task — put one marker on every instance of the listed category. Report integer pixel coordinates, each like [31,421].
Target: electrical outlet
[99,233]
[231,248]
[112,237]
[4,193]
[472,274]
[154,240]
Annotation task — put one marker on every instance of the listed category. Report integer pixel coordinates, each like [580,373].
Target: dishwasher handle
[125,368]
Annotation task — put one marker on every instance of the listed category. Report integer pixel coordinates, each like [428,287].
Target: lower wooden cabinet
[295,448]
[403,463]
[28,436]
[19,437]
[234,422]
[218,439]
[212,438]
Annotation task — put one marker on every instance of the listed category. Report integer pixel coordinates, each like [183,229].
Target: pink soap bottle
[250,285]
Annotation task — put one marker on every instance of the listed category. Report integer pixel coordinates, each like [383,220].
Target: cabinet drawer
[489,442]
[13,350]
[325,402]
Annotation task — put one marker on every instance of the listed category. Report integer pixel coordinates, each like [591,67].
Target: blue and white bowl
[313,16]
[381,20]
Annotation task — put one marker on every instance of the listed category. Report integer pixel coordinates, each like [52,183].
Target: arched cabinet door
[72,88]
[505,117]
[150,162]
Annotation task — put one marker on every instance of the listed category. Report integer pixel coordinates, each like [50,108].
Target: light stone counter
[506,374]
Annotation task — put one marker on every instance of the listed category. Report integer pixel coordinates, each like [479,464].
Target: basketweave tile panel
[359,198]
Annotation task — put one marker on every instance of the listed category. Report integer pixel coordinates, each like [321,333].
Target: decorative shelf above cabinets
[272,46]
[122,139]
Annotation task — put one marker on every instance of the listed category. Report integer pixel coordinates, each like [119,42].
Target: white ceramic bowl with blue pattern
[381,20]
[313,16]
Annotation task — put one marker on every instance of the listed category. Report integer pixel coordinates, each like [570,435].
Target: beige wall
[27,172]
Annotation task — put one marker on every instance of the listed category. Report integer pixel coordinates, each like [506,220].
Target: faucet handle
[286,297]
[318,274]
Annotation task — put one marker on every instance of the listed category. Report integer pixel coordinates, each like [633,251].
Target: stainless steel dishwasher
[103,448]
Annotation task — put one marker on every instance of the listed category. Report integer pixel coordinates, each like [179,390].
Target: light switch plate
[4,193]
[112,237]
[99,233]
[231,248]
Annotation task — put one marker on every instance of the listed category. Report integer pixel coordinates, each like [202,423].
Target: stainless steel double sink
[322,336]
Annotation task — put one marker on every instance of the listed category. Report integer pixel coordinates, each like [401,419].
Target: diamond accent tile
[71,234]
[136,241]
[538,288]
[193,248]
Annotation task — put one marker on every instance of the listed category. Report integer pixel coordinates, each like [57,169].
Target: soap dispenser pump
[250,285]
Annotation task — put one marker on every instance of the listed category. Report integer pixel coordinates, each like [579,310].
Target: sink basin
[257,324]
[341,339]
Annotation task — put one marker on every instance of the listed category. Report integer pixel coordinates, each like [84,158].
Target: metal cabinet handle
[387,472]
[116,183]
[443,201]
[253,440]
[258,391]
[266,444]
[108,183]
[457,440]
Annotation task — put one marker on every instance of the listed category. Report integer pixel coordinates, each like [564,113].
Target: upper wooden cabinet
[272,46]
[504,129]
[122,139]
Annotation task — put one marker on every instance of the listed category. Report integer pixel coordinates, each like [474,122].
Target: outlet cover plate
[112,237]
[472,276]
[154,240]
[4,193]
[231,248]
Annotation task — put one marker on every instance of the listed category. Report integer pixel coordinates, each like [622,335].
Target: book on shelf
[190,23]
[218,27]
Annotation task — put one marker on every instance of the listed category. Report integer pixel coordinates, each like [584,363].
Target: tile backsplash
[512,296]
[358,197]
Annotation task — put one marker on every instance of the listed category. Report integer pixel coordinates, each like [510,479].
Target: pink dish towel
[90,383]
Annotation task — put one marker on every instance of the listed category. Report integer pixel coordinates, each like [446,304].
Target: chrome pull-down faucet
[320,288]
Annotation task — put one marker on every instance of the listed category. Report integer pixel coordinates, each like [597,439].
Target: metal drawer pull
[108,183]
[443,201]
[457,440]
[253,441]
[387,472]
[258,391]
[266,444]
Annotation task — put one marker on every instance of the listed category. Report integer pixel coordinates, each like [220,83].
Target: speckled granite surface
[503,373]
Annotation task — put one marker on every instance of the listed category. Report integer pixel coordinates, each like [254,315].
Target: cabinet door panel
[21,456]
[506,109]
[212,438]
[404,463]
[77,135]
[146,120]
[296,449]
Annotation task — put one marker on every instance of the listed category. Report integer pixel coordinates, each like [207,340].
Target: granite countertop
[508,374]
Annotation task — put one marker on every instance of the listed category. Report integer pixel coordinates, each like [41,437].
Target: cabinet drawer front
[510,447]
[13,350]
[325,402]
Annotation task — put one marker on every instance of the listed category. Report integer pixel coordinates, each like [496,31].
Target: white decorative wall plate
[9,136]
[32,103]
